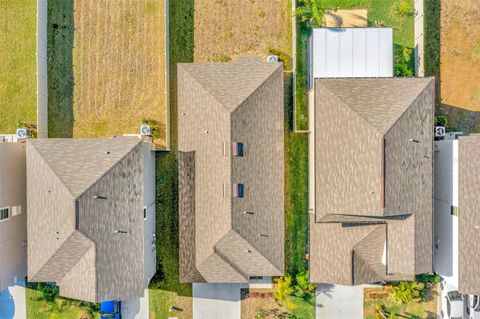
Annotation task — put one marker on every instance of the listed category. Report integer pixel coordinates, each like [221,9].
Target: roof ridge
[413,102]
[347,105]
[111,168]
[51,168]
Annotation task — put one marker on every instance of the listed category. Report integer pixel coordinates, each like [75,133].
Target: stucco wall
[13,231]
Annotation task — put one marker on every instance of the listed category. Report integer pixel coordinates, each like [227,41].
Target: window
[238,190]
[237,149]
[4,213]
[454,210]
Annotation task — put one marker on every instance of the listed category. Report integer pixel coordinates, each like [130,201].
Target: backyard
[452,60]
[43,303]
[106,67]
[397,14]
[17,64]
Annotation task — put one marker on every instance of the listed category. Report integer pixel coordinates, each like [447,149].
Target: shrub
[310,12]
[405,8]
[283,288]
[406,291]
[303,283]
[440,120]
[282,56]
[224,58]
[402,63]
[50,292]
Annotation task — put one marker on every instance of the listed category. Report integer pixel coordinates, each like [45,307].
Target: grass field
[106,67]
[17,64]
[460,54]
[380,13]
[61,308]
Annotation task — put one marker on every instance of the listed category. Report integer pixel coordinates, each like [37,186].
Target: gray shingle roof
[373,142]
[218,104]
[71,234]
[469,214]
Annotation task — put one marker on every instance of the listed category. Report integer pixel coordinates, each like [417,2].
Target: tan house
[231,142]
[88,201]
[13,212]
[371,173]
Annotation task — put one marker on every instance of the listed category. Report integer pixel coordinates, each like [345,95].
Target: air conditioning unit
[23,133]
[272,58]
[145,130]
[439,131]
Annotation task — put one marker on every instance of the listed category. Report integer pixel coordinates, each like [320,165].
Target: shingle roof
[469,214]
[373,141]
[218,104]
[71,234]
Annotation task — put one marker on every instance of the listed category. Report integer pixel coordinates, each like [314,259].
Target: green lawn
[17,64]
[381,13]
[296,199]
[167,276]
[61,308]
[181,48]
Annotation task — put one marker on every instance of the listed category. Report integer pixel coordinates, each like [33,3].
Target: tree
[405,291]
[440,120]
[284,287]
[310,12]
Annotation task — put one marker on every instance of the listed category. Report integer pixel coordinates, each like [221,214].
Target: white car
[455,307]
[473,307]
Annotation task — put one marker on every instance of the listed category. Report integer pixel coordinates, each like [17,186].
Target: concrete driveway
[339,302]
[136,308]
[216,301]
[13,303]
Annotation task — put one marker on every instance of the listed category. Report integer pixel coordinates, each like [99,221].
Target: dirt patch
[355,18]
[261,301]
[118,66]
[460,54]
[225,29]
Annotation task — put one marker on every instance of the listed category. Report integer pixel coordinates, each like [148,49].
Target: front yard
[17,64]
[38,307]
[106,67]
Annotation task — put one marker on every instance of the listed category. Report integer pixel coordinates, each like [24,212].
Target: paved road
[339,302]
[13,302]
[216,301]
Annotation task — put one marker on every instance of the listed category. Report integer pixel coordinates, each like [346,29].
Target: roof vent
[414,140]
[107,152]
[272,58]
[205,131]
[145,130]
[23,133]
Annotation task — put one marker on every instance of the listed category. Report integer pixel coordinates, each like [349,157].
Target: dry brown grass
[226,29]
[460,54]
[119,68]
[251,306]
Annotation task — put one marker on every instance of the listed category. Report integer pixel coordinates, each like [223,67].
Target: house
[231,170]
[457,222]
[91,209]
[350,53]
[371,179]
[13,207]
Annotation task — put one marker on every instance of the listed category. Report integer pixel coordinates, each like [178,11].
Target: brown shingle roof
[218,104]
[373,146]
[469,214]
[71,235]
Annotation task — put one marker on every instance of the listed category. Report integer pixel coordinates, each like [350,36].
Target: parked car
[455,307]
[110,310]
[473,307]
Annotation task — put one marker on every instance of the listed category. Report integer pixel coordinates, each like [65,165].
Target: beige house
[371,179]
[231,143]
[13,208]
[91,205]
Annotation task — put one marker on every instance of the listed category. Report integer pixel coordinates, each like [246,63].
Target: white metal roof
[352,52]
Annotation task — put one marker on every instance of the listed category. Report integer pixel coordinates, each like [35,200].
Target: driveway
[216,301]
[136,308]
[339,302]
[13,302]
